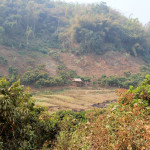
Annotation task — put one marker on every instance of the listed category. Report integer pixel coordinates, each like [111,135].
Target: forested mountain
[46,44]
[42,24]
[68,40]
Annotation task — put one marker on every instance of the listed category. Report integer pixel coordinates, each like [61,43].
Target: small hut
[77,82]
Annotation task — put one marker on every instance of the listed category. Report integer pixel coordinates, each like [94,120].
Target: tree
[21,125]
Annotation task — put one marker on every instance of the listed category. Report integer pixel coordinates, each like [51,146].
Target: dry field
[75,99]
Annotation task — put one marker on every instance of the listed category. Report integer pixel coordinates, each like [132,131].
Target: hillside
[94,28]
[111,63]
[24,59]
[78,60]
[50,42]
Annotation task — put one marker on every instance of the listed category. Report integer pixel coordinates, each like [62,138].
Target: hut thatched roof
[77,80]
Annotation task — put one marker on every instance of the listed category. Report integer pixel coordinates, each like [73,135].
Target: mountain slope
[111,63]
[82,29]
[51,42]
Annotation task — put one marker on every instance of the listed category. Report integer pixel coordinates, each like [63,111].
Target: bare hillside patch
[23,59]
[111,63]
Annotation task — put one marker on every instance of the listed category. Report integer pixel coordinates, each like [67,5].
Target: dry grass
[75,99]
[111,63]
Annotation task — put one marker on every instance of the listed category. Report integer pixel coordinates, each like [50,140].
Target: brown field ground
[75,99]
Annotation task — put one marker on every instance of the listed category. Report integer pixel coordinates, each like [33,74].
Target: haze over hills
[88,40]
[54,47]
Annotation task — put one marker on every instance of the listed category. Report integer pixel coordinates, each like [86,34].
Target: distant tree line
[39,77]
[123,81]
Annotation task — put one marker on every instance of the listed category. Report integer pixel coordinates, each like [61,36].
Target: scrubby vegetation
[123,81]
[26,126]
[93,28]
[20,123]
[54,27]
[3,61]
[124,125]
[40,78]
[12,74]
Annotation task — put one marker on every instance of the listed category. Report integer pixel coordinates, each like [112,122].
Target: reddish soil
[111,63]
[28,58]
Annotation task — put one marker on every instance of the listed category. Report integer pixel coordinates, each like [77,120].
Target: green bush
[20,123]
[3,61]
[33,75]
[12,70]
[143,90]
[42,83]
[40,78]
[26,126]
[123,82]
[12,74]
[86,79]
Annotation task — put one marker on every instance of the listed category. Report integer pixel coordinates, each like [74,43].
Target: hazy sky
[135,8]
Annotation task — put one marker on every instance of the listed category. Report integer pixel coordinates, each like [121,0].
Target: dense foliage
[124,125]
[40,78]
[40,25]
[20,123]
[26,126]
[123,81]
[12,74]
[3,61]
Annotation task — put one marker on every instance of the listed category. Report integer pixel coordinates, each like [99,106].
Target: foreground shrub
[22,125]
[143,91]
[71,135]
[26,126]
[126,124]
